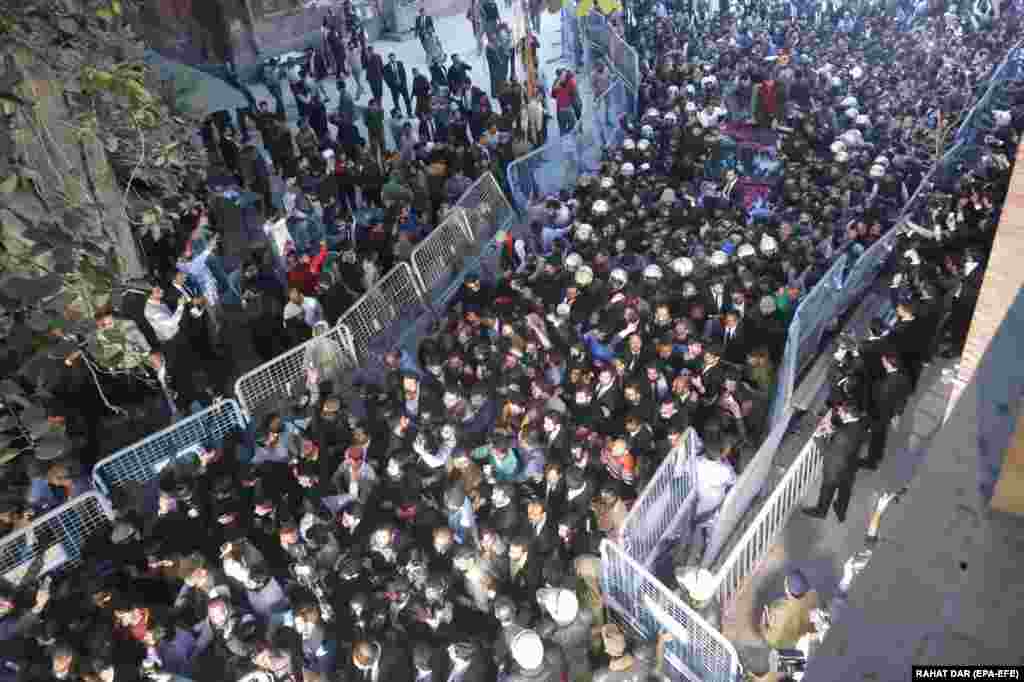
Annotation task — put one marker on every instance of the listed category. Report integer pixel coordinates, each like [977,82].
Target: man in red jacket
[304,273]
[564,92]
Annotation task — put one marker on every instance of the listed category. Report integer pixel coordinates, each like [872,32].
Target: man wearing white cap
[535,661]
[569,627]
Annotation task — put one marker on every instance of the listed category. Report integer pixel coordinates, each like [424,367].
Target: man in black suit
[717,300]
[458,74]
[909,340]
[424,28]
[579,492]
[889,396]
[841,462]
[734,338]
[542,530]
[556,437]
[377,661]
[398,82]
[375,73]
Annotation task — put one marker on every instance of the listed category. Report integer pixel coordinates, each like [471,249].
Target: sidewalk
[820,547]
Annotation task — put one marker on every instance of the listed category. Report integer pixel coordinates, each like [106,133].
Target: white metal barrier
[396,295]
[666,503]
[143,461]
[697,651]
[487,210]
[284,378]
[436,260]
[55,540]
[748,487]
[742,561]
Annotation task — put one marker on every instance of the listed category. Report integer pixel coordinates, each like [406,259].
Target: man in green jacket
[375,127]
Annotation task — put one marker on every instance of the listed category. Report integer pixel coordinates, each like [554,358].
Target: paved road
[820,547]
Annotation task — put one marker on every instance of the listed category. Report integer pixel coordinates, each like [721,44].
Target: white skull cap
[838,146]
[573,261]
[527,649]
[607,183]
[852,138]
[719,259]
[691,107]
[651,113]
[745,251]
[562,604]
[563,310]
[882,161]
[652,271]
[682,266]
[877,170]
[627,169]
[698,582]
[842,157]
[628,144]
[643,145]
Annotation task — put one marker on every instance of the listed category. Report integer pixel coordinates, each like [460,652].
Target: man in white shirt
[714,480]
[306,306]
[166,324]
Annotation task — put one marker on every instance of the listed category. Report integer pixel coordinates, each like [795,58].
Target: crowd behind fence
[466,241]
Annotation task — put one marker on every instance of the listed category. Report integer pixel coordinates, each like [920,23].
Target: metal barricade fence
[665,505]
[375,320]
[624,60]
[486,208]
[438,260]
[282,380]
[696,651]
[747,489]
[142,462]
[611,109]
[55,540]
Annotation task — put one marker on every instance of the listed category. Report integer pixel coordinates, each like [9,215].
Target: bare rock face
[94,153]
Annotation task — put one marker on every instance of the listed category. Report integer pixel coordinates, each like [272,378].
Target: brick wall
[1004,275]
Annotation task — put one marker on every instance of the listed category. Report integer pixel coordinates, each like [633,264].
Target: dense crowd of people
[445,522]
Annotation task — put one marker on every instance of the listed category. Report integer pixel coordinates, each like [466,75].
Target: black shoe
[814,512]
[870,466]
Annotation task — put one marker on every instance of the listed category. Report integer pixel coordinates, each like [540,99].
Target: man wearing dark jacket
[398,83]
[840,466]
[375,73]
[458,73]
[889,396]
[376,661]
